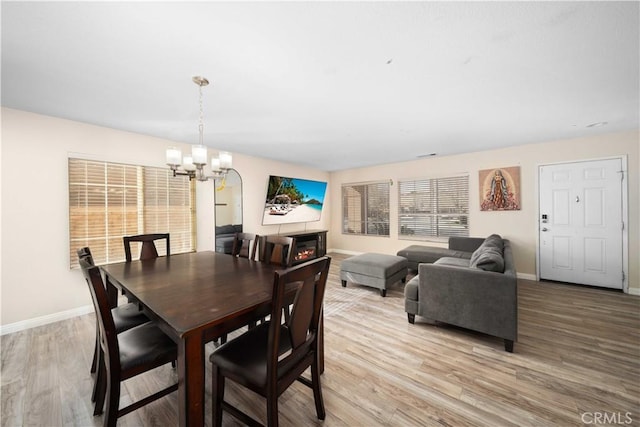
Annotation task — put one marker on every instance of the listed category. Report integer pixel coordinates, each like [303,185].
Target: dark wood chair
[245,245]
[277,250]
[132,352]
[270,357]
[148,250]
[125,317]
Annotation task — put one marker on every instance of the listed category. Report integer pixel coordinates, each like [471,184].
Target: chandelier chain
[201,120]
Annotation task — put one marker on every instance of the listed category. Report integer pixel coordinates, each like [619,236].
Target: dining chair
[270,357]
[127,354]
[277,250]
[148,250]
[245,245]
[125,317]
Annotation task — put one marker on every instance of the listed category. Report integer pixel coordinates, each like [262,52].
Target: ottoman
[374,270]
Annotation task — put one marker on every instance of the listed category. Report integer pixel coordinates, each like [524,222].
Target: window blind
[436,207]
[167,208]
[365,208]
[109,200]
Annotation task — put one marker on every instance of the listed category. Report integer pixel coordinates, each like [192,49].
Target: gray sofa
[478,293]
[225,235]
[459,247]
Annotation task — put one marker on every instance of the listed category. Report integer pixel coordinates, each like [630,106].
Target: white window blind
[108,201]
[365,208]
[436,207]
[167,206]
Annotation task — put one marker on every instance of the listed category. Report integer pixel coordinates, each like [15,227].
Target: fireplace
[305,250]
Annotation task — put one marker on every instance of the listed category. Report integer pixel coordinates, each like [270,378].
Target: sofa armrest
[480,300]
[465,244]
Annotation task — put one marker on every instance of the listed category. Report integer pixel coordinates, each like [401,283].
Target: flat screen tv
[292,200]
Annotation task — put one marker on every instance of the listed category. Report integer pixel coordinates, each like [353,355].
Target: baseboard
[342,251]
[527,276]
[45,320]
[633,291]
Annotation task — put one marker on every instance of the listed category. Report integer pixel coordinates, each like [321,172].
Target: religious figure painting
[500,189]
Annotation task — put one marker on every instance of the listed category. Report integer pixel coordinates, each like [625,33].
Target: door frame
[625,212]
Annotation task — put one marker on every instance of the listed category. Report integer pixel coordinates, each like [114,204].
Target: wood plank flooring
[577,356]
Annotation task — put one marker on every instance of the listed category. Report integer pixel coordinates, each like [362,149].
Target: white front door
[581,224]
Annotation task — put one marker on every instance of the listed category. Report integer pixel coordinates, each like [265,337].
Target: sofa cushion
[453,261]
[225,229]
[428,254]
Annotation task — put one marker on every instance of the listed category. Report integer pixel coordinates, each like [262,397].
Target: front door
[581,226]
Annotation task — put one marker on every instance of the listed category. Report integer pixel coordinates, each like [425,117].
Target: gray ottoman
[375,270]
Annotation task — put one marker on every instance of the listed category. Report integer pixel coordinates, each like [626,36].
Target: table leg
[191,377]
[112,292]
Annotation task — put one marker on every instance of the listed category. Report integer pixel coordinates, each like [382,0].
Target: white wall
[37,284]
[519,226]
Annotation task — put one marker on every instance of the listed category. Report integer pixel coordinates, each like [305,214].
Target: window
[365,209]
[437,207]
[109,200]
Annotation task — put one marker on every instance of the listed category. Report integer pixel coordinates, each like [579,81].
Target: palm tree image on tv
[286,195]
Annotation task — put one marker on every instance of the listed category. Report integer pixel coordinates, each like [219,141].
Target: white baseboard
[527,276]
[633,291]
[342,251]
[45,320]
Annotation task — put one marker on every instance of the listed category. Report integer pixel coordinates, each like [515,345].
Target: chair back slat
[85,253]
[277,250]
[301,316]
[245,245]
[148,250]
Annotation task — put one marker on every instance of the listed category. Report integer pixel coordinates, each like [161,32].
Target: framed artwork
[500,189]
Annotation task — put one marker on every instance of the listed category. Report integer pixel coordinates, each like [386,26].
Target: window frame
[366,223]
[429,193]
[127,216]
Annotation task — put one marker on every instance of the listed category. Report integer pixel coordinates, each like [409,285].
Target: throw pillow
[492,242]
[489,260]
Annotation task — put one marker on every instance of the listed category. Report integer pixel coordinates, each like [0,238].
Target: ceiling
[330,85]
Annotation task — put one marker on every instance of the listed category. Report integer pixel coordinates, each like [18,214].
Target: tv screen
[292,200]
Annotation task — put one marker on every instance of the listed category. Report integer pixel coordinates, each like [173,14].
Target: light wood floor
[578,354]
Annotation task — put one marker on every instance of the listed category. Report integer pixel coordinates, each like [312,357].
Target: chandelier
[193,166]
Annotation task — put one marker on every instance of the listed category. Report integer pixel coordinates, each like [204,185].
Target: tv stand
[310,244]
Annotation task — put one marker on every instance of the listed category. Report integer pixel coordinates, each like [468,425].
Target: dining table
[195,298]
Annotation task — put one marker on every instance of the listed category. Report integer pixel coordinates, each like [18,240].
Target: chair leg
[100,386]
[272,408]
[99,375]
[96,348]
[317,388]
[217,397]
[113,400]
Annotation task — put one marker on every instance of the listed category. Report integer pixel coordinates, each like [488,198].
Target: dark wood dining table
[195,298]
